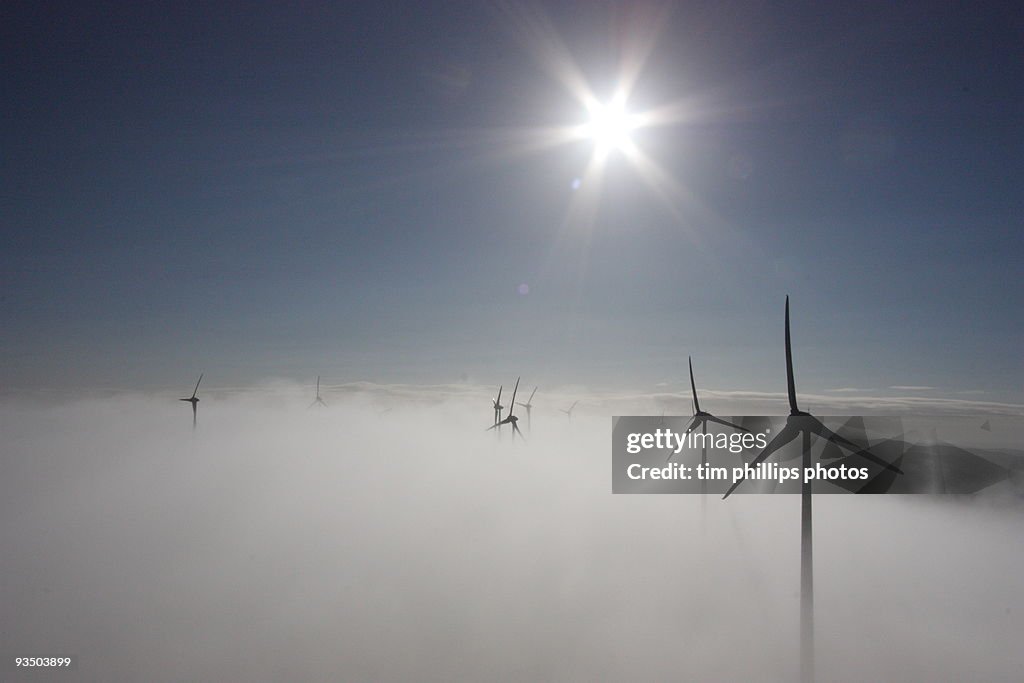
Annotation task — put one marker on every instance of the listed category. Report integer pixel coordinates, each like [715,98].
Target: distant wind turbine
[497,406]
[802,424]
[529,406]
[701,419]
[569,412]
[193,400]
[317,401]
[511,419]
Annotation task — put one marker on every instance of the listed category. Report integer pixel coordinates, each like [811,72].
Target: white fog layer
[397,540]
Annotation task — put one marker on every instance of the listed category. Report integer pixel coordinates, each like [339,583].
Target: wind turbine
[802,424]
[701,419]
[529,405]
[497,407]
[317,401]
[511,419]
[193,400]
[568,413]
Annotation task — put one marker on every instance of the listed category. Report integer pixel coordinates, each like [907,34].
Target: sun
[609,125]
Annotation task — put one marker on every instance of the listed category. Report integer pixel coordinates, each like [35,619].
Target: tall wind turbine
[802,424]
[317,401]
[511,419]
[529,406]
[193,400]
[568,413]
[497,407]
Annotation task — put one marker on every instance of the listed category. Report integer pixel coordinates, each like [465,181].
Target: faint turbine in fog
[568,413]
[511,419]
[529,406]
[497,406]
[193,400]
[317,401]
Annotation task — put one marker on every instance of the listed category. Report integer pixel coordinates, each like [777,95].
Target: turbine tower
[511,419]
[529,406]
[193,400]
[802,424]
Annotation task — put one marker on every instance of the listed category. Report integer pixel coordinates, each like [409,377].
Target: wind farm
[812,208]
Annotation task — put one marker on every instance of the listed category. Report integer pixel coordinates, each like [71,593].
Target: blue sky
[265,190]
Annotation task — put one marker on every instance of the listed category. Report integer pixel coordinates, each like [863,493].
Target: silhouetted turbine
[568,413]
[529,405]
[511,419]
[801,424]
[701,419]
[193,400]
[497,407]
[317,401]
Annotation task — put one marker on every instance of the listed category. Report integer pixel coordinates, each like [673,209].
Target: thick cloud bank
[397,540]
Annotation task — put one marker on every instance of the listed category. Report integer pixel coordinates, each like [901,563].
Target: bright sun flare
[609,126]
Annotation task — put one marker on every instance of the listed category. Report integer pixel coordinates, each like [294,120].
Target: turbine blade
[816,426]
[892,467]
[821,430]
[512,405]
[781,439]
[530,400]
[197,385]
[790,383]
[692,423]
[693,388]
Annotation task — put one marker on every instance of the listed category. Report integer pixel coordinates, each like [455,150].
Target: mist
[389,537]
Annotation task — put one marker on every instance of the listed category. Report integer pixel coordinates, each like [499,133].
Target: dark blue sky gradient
[279,190]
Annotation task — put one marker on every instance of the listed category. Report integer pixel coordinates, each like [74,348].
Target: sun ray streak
[534,30]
